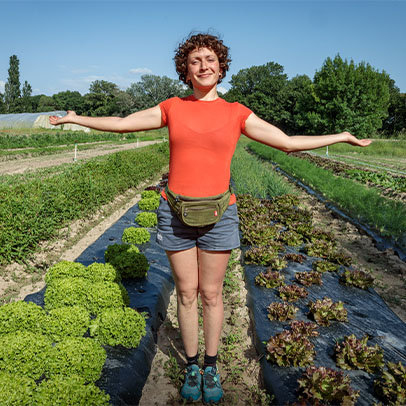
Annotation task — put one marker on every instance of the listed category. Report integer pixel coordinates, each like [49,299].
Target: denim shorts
[173,235]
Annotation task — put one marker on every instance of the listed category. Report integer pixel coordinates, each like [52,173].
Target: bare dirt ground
[20,165]
[238,364]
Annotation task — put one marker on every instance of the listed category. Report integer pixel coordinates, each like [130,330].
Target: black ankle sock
[192,360]
[209,361]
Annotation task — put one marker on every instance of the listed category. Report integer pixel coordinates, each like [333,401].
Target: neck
[205,94]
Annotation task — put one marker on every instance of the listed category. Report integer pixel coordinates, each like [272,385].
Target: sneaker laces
[211,378]
[191,378]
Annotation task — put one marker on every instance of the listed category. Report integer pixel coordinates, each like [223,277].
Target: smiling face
[203,68]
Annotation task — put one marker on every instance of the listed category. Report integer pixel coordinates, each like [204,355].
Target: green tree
[350,97]
[35,102]
[2,105]
[153,89]
[264,90]
[46,104]
[396,120]
[69,100]
[26,105]
[101,99]
[300,102]
[12,87]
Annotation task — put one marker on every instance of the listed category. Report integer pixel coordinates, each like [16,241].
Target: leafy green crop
[270,279]
[292,293]
[95,272]
[72,321]
[357,278]
[324,310]
[352,353]
[69,391]
[281,311]
[123,326]
[289,348]
[146,194]
[391,387]
[146,219]
[94,296]
[35,209]
[76,356]
[24,353]
[325,386]
[127,260]
[16,390]
[21,316]
[136,235]
[149,203]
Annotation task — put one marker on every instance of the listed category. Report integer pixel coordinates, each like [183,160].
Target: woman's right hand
[55,120]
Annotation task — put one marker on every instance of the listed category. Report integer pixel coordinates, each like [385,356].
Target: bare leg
[185,272]
[212,269]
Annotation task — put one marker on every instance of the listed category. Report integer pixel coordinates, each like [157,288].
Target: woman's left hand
[355,141]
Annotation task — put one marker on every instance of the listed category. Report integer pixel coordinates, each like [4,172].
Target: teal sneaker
[212,391]
[192,387]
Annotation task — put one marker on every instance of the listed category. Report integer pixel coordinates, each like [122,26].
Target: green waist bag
[198,211]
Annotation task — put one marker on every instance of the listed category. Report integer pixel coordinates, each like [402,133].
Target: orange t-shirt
[202,139]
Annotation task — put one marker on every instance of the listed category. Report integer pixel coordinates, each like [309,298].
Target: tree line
[342,96]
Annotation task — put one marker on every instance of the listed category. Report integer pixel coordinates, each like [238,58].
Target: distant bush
[124,326]
[136,235]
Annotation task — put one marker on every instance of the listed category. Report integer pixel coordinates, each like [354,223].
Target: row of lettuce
[384,215]
[278,233]
[55,355]
[36,207]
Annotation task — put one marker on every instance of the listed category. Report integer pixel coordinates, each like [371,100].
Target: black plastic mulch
[367,314]
[126,370]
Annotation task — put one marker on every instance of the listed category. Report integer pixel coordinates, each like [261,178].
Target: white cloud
[140,70]
[222,89]
[2,85]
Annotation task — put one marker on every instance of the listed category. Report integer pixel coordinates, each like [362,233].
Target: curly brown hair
[197,41]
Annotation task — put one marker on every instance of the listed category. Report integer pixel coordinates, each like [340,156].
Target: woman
[203,132]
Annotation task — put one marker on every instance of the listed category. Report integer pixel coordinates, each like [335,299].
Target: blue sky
[67,45]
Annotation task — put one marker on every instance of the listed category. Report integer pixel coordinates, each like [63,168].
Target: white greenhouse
[36,120]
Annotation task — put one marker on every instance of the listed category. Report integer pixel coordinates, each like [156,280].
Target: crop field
[298,261]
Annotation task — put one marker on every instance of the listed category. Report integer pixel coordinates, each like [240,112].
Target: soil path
[20,165]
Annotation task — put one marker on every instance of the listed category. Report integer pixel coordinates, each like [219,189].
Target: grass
[386,216]
[378,148]
[251,176]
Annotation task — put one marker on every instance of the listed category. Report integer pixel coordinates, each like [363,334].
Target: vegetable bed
[286,356]
[126,369]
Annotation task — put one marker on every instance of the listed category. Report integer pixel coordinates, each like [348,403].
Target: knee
[211,297]
[187,298]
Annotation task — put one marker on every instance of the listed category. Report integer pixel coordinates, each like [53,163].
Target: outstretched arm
[141,120]
[261,131]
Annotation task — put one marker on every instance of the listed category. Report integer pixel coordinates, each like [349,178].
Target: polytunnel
[36,120]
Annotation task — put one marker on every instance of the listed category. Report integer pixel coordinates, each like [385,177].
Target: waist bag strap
[198,211]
